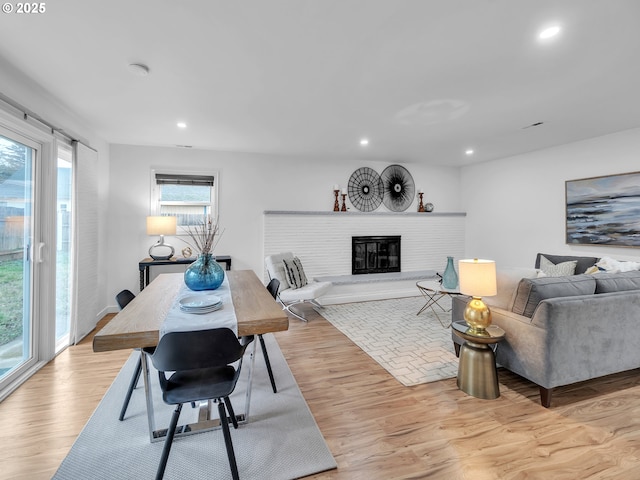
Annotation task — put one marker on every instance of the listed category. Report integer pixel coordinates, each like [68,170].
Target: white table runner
[179,321]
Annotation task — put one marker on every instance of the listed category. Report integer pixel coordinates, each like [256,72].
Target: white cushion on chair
[310,291]
[275,267]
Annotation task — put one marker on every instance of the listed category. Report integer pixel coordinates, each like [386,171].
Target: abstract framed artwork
[604,210]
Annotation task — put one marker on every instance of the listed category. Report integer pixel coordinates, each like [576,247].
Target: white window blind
[194,180]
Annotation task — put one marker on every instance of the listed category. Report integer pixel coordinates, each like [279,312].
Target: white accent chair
[288,296]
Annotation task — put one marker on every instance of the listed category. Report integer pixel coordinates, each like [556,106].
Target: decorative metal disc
[365,189]
[399,188]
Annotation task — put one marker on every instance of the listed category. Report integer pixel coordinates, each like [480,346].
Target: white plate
[199,301]
[202,310]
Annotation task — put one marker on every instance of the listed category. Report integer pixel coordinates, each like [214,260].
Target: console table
[147,263]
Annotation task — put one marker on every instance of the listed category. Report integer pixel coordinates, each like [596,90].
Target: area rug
[413,348]
[280,441]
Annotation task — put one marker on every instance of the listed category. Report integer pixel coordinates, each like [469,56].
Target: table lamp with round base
[477,279]
[161,225]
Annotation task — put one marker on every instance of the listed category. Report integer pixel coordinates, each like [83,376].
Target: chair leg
[232,414]
[132,385]
[227,440]
[289,310]
[266,360]
[168,441]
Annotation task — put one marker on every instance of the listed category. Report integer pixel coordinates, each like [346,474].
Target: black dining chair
[201,362]
[123,298]
[272,287]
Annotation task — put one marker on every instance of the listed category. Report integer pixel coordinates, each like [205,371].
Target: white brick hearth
[322,240]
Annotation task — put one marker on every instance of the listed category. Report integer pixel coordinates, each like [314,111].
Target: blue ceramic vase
[450,277]
[204,274]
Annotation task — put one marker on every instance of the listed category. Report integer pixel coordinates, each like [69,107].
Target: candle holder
[421,206]
[336,205]
[344,204]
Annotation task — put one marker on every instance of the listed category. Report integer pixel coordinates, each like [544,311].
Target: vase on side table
[450,277]
[204,274]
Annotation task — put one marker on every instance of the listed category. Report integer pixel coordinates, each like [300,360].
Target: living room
[514,203]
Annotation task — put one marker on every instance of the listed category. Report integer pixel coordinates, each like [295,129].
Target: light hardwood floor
[375,427]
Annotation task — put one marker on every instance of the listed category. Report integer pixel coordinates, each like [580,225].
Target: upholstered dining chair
[123,298]
[295,288]
[201,367]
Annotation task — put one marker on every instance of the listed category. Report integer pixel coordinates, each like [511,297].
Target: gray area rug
[280,441]
[413,348]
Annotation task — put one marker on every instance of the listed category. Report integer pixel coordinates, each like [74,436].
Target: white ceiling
[422,79]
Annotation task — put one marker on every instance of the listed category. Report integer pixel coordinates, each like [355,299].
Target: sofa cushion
[617,282]
[507,280]
[581,266]
[531,291]
[550,269]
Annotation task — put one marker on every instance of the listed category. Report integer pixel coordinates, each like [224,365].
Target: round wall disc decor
[399,188]
[365,189]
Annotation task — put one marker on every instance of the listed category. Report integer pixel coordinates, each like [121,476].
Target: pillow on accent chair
[294,272]
[549,269]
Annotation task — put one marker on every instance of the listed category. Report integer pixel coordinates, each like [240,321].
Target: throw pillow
[294,272]
[612,266]
[549,269]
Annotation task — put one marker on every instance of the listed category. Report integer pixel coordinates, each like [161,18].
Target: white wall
[516,206]
[249,184]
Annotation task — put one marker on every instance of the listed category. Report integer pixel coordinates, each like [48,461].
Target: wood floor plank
[375,427]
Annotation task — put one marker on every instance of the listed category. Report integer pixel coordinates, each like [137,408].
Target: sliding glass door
[17,165]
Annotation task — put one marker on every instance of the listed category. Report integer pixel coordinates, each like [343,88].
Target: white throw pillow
[610,265]
[507,280]
[294,272]
[549,269]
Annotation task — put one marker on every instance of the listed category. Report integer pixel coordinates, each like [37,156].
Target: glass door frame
[41,251]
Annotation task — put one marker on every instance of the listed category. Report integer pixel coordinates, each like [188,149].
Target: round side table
[477,373]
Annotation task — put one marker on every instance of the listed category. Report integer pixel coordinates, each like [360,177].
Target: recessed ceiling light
[549,32]
[364,142]
[181,125]
[469,151]
[139,69]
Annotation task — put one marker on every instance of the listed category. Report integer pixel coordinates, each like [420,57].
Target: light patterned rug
[413,348]
[280,441]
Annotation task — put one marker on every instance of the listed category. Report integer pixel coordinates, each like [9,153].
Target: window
[64,280]
[188,197]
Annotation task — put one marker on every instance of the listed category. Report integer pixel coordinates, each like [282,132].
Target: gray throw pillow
[584,263]
[295,273]
[550,269]
[531,291]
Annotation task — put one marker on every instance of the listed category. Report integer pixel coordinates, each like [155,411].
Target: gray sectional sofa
[563,330]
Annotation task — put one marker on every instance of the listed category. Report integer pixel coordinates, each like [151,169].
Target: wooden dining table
[139,324]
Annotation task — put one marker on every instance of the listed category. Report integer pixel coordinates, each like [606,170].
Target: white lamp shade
[161,225]
[477,277]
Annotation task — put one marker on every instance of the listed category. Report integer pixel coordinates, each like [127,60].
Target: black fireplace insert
[379,254]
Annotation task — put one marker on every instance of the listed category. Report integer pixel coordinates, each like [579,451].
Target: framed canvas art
[604,210]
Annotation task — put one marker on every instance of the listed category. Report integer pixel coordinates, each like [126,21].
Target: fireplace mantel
[366,214]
